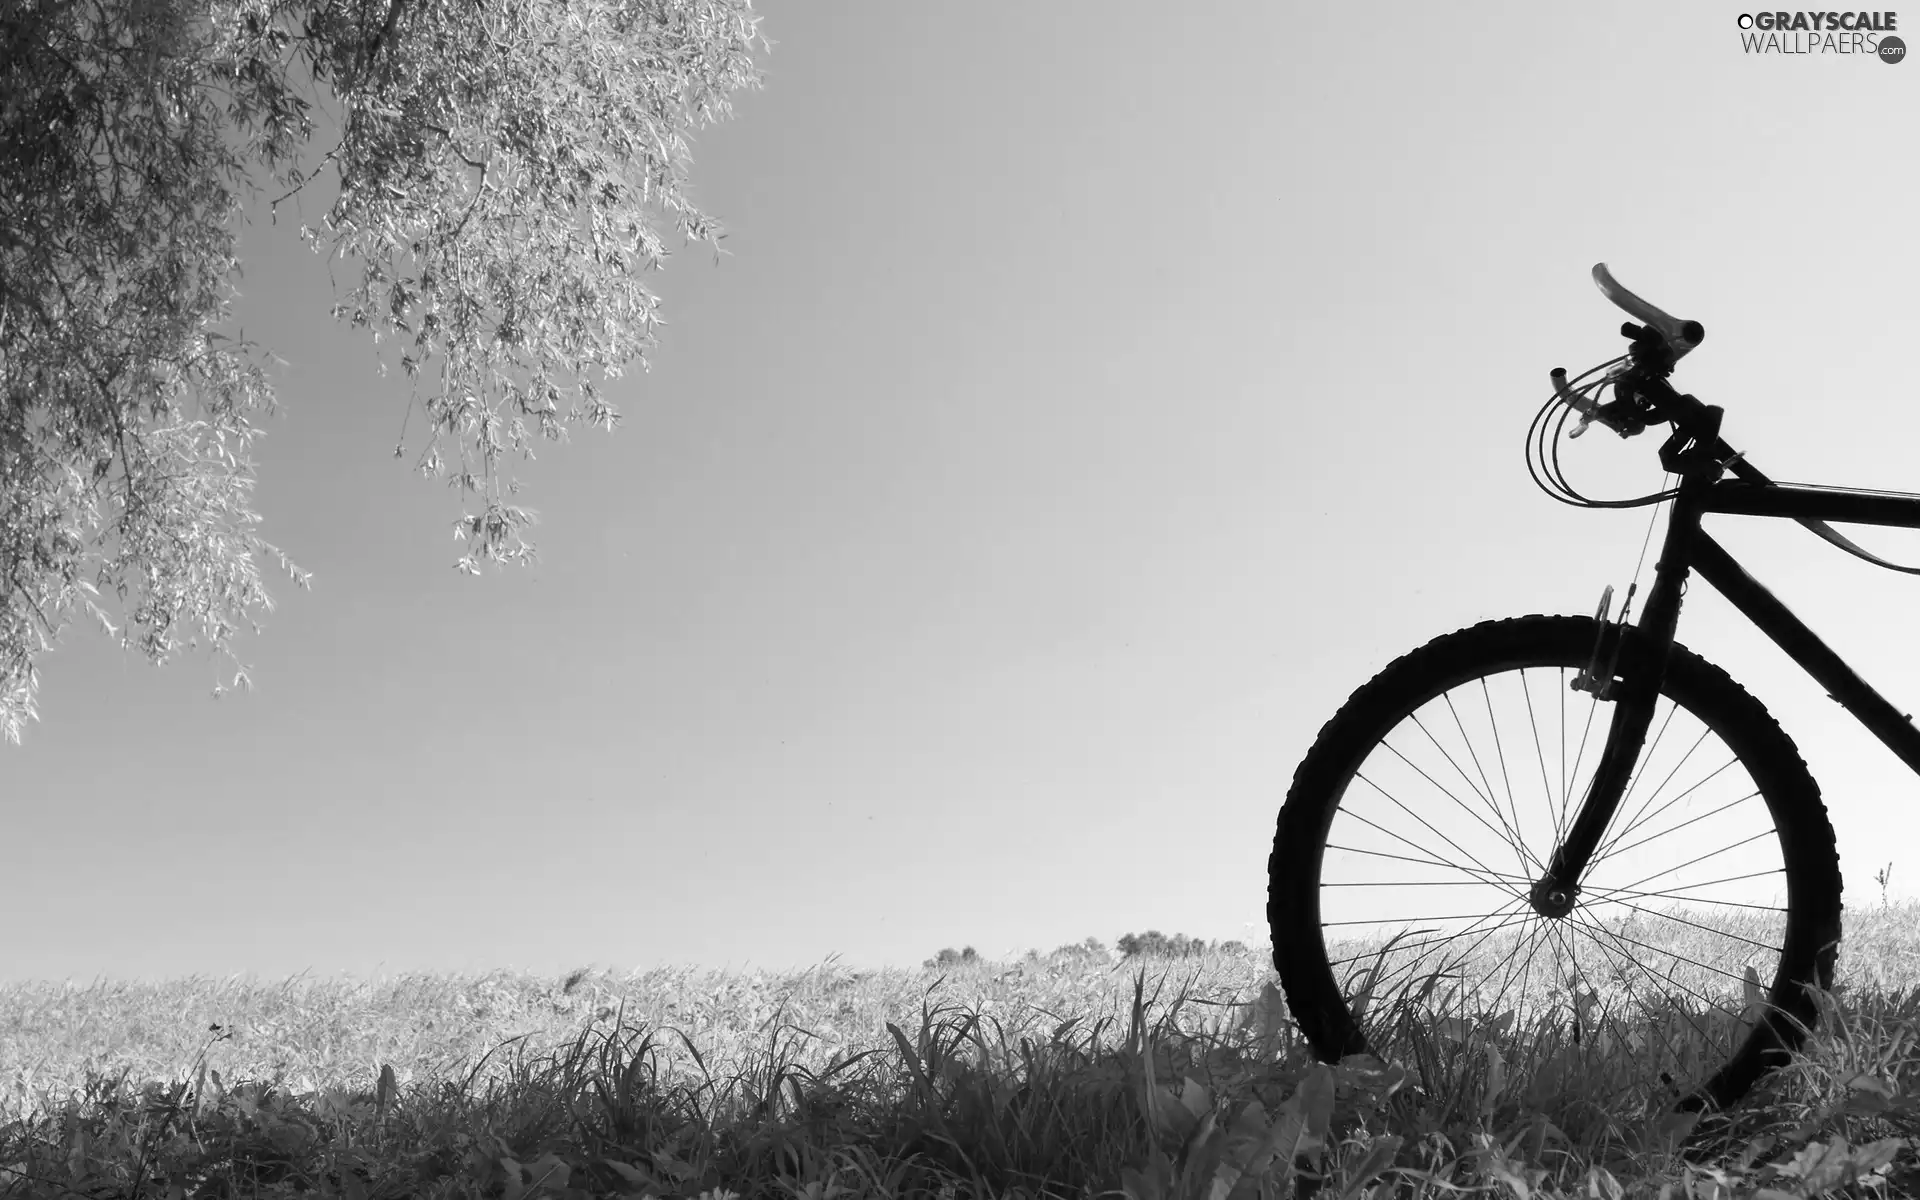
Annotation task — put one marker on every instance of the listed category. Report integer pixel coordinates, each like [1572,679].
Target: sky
[1092,397]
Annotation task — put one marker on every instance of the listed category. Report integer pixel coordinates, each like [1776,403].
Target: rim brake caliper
[1594,679]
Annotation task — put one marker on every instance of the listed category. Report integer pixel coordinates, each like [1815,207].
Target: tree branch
[458,153]
[386,31]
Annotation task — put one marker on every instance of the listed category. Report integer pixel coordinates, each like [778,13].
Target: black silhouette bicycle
[1577,827]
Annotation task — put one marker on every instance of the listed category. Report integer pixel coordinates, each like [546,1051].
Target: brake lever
[1677,337]
[1623,416]
[1574,400]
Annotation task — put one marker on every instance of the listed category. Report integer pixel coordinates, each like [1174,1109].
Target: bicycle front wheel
[1399,882]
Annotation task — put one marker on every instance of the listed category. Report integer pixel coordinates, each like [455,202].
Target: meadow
[1072,1074]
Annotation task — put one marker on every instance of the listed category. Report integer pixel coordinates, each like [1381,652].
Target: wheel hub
[1551,900]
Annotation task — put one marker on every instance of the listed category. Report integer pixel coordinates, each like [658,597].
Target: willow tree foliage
[504,171]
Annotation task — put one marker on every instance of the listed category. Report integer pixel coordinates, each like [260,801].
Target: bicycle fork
[1641,663]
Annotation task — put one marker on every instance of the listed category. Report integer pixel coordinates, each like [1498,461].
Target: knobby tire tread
[1810,946]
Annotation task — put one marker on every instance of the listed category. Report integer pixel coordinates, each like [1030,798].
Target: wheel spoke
[1506,779]
[1539,931]
[1514,919]
[1682,825]
[1415,882]
[1613,846]
[1678,893]
[1677,957]
[1514,840]
[1702,858]
[1430,861]
[1658,1028]
[1461,804]
[1726,933]
[1580,755]
[1539,753]
[1639,768]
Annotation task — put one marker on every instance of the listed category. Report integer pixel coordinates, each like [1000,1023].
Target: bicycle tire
[1810,928]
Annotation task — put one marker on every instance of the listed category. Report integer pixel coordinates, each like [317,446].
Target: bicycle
[1658,944]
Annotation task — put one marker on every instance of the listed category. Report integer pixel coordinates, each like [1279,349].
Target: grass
[1064,1075]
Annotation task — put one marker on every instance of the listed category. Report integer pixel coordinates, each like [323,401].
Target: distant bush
[1092,948]
[1154,944]
[1151,944]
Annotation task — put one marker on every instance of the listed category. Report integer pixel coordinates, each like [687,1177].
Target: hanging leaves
[505,169]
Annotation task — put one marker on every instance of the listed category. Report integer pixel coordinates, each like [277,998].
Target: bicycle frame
[1805,502]
[1688,548]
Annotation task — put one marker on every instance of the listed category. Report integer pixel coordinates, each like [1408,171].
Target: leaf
[1496,1081]
[1367,1077]
[1676,1127]
[201,1101]
[1825,1167]
[627,1171]
[911,1059]
[1362,997]
[667,1164]
[386,1090]
[1874,1155]
[1601,1185]
[1506,1174]
[1266,1018]
[1821,1167]
[1300,1132]
[1756,999]
[1150,1184]
[1178,1119]
[1867,1081]
[1241,1156]
[1752,1151]
[1379,1156]
[1866,1103]
[1451,1029]
[549,1170]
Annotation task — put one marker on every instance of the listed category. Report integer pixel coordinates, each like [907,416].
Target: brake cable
[1543,441]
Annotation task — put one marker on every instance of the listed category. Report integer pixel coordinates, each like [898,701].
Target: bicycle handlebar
[1659,341]
[1681,336]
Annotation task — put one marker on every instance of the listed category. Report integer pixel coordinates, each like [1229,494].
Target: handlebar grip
[1681,336]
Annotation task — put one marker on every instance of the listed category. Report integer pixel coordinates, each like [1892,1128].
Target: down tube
[1791,634]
